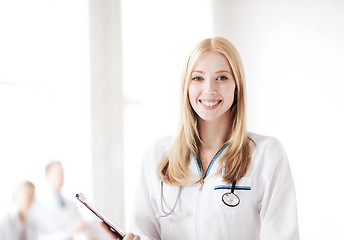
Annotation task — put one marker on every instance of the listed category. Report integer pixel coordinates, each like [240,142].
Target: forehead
[25,189]
[54,167]
[213,61]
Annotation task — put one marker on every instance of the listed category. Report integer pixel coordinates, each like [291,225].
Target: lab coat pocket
[233,203]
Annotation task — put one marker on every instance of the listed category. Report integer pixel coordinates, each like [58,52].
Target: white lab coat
[12,228]
[266,212]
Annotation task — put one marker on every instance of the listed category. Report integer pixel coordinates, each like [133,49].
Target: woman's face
[212,87]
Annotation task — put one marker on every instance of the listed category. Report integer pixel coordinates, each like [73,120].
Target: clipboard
[113,228]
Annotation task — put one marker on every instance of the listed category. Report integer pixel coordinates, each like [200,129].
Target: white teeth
[209,104]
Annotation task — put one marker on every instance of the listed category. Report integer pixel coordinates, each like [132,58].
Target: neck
[213,133]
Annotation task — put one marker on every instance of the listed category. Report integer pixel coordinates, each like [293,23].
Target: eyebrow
[221,71]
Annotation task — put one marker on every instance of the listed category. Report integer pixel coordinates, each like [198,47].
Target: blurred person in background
[17,223]
[58,218]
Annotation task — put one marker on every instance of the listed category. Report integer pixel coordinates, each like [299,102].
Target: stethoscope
[229,199]
[162,201]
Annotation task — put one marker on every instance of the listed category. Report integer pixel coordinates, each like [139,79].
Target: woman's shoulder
[268,151]
[264,141]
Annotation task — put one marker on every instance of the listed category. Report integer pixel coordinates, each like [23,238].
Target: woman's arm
[144,221]
[278,212]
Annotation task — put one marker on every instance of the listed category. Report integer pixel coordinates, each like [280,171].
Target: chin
[208,119]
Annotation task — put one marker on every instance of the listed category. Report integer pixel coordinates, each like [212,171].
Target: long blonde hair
[174,166]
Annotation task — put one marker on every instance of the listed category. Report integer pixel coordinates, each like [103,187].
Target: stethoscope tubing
[162,201]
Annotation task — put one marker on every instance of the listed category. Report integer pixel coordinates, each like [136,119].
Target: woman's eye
[197,78]
[221,78]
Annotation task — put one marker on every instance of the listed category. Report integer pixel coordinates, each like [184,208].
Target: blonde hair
[174,166]
[24,186]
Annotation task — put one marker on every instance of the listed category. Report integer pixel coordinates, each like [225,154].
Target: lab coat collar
[213,166]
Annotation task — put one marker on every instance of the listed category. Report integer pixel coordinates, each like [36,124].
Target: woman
[215,180]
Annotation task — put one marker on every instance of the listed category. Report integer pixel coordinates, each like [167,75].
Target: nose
[210,87]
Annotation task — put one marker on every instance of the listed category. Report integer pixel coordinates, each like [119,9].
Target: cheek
[230,94]
[230,88]
[192,97]
[192,92]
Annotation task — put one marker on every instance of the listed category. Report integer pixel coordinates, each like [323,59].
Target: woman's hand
[128,236]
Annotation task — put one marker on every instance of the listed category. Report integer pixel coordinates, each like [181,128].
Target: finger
[106,228]
[129,236]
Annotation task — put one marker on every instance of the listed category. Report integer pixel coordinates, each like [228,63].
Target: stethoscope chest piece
[230,199]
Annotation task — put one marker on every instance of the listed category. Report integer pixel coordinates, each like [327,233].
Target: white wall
[44,93]
[293,56]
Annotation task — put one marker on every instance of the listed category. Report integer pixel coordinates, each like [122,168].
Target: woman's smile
[209,104]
